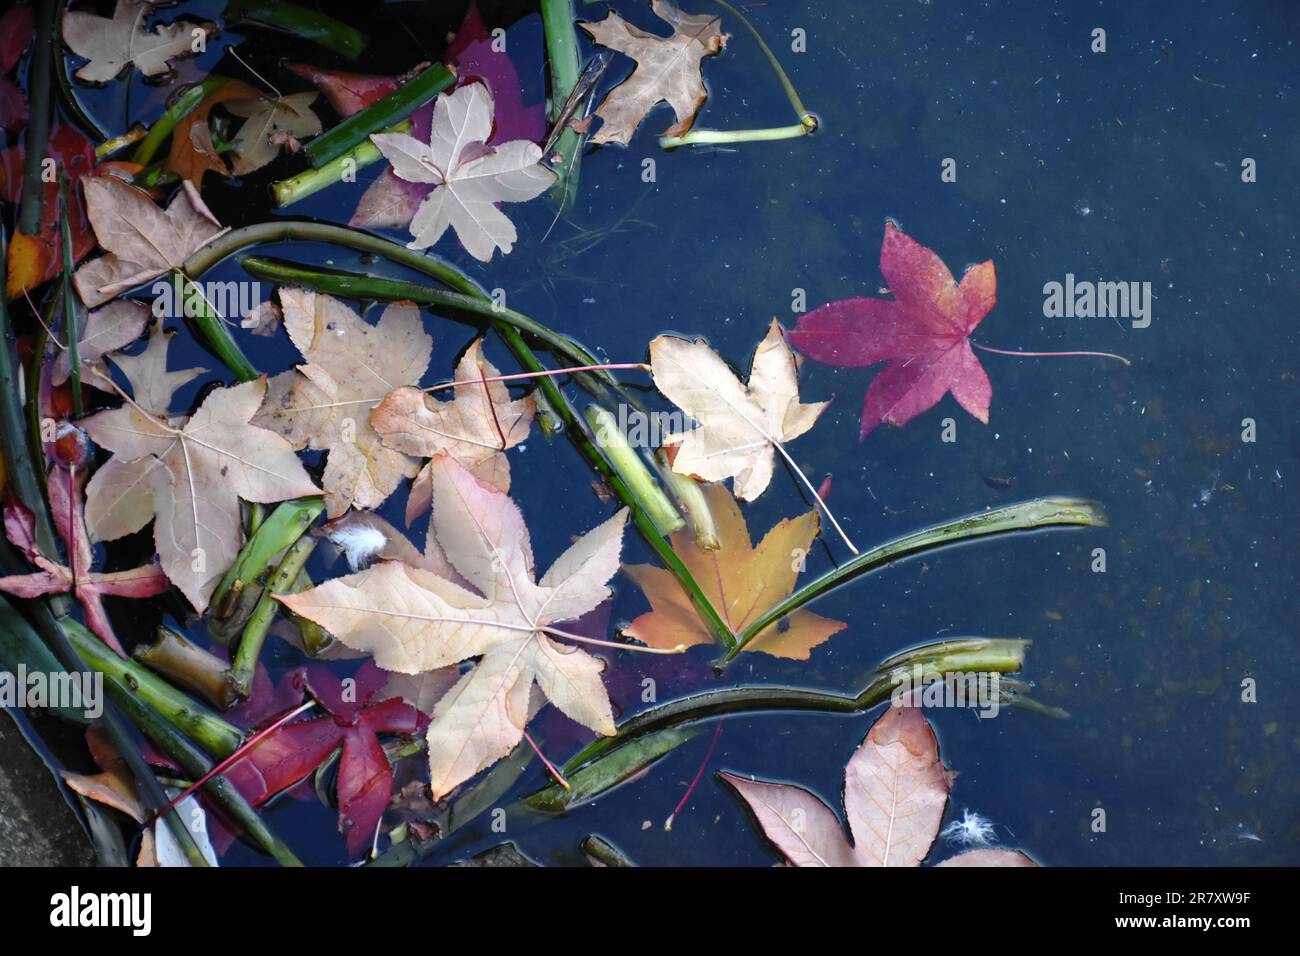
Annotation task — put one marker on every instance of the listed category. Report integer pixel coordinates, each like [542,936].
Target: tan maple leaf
[110,44]
[667,68]
[414,621]
[740,425]
[325,403]
[741,580]
[895,791]
[142,241]
[267,121]
[105,330]
[475,427]
[187,474]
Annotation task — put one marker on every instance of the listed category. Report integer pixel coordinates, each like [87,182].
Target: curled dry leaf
[188,474]
[142,241]
[414,621]
[739,425]
[667,69]
[923,332]
[741,580]
[111,44]
[895,791]
[325,404]
[468,176]
[475,427]
[105,330]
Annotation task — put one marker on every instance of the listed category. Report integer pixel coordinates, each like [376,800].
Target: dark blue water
[1123,165]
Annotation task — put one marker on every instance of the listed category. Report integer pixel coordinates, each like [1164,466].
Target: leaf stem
[1106,355]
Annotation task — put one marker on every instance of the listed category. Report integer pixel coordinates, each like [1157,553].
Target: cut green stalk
[312,181]
[110,146]
[250,645]
[69,299]
[972,655]
[274,535]
[603,853]
[190,666]
[393,108]
[691,501]
[294,20]
[1038,513]
[632,469]
[39,74]
[177,110]
[562,61]
[195,764]
[183,712]
[601,775]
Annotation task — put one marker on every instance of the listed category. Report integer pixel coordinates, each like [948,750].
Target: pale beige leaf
[112,44]
[803,828]
[469,178]
[413,620]
[257,143]
[152,386]
[475,426]
[119,498]
[204,467]
[115,326]
[326,403]
[142,241]
[667,69]
[895,790]
[739,425]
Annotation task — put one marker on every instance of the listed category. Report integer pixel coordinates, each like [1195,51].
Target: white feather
[359,543]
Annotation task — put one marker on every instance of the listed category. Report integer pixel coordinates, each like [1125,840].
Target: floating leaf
[112,44]
[924,333]
[268,124]
[325,404]
[142,241]
[412,621]
[742,581]
[667,69]
[740,425]
[469,177]
[105,330]
[475,427]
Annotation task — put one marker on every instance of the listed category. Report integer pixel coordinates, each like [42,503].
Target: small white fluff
[971,830]
[359,543]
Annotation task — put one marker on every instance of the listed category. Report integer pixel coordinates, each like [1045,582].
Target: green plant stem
[393,108]
[212,329]
[177,110]
[1038,513]
[299,21]
[183,712]
[624,459]
[196,765]
[364,287]
[39,76]
[250,645]
[614,767]
[20,471]
[562,63]
[988,655]
[312,181]
[69,299]
[274,534]
[189,665]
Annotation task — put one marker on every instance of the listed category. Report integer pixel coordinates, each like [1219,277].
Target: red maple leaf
[290,753]
[89,586]
[923,332]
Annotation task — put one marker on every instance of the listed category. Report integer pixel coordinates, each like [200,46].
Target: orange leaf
[192,153]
